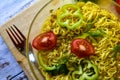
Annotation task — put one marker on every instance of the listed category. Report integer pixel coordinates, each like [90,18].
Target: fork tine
[16,34]
[17,40]
[19,32]
[11,38]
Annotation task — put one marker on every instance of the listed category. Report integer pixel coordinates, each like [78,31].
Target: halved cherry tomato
[82,48]
[45,41]
[117,7]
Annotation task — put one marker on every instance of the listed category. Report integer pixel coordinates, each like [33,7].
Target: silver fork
[19,41]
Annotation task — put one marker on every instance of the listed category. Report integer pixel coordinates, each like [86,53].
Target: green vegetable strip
[96,33]
[56,69]
[44,65]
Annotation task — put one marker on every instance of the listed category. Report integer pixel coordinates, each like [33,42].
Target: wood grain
[22,21]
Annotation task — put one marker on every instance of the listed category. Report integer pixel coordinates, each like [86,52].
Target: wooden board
[23,21]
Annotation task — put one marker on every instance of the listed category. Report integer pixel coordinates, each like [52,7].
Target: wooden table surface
[22,21]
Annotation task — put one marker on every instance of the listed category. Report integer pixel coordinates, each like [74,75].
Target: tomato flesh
[117,7]
[82,48]
[45,41]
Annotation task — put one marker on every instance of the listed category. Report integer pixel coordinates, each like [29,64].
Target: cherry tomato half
[45,41]
[117,7]
[82,48]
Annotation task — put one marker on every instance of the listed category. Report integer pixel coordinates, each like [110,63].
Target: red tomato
[45,41]
[117,7]
[82,48]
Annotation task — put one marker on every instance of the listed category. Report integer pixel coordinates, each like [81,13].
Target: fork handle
[26,68]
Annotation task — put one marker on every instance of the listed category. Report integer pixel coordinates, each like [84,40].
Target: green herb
[63,59]
[88,26]
[96,33]
[83,36]
[57,69]
[116,49]
[51,10]
[60,69]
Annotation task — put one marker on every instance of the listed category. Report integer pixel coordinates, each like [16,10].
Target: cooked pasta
[98,19]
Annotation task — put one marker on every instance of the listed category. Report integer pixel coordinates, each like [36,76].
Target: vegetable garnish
[88,26]
[60,69]
[57,69]
[116,49]
[45,41]
[96,33]
[82,48]
[86,71]
[71,16]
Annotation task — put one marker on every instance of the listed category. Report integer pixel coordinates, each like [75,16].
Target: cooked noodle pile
[99,19]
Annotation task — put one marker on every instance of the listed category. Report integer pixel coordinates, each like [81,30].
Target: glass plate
[42,15]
